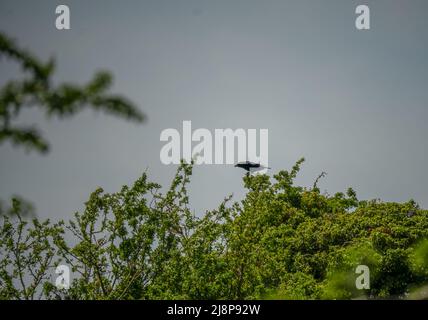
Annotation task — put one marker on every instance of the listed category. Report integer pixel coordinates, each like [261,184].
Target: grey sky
[353,103]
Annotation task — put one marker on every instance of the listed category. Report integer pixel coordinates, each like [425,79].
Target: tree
[282,241]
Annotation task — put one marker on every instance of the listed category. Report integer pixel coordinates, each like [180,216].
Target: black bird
[247,166]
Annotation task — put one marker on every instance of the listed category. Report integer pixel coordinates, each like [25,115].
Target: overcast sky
[353,103]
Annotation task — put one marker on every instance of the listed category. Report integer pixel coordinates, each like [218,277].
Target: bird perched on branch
[251,167]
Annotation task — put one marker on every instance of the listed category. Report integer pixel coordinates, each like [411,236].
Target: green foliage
[36,89]
[19,207]
[281,242]
[27,254]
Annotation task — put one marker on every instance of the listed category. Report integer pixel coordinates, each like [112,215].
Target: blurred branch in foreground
[63,100]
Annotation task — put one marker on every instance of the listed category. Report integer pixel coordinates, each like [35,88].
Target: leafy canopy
[281,242]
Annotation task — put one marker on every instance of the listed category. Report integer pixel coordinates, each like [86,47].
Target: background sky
[353,103]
